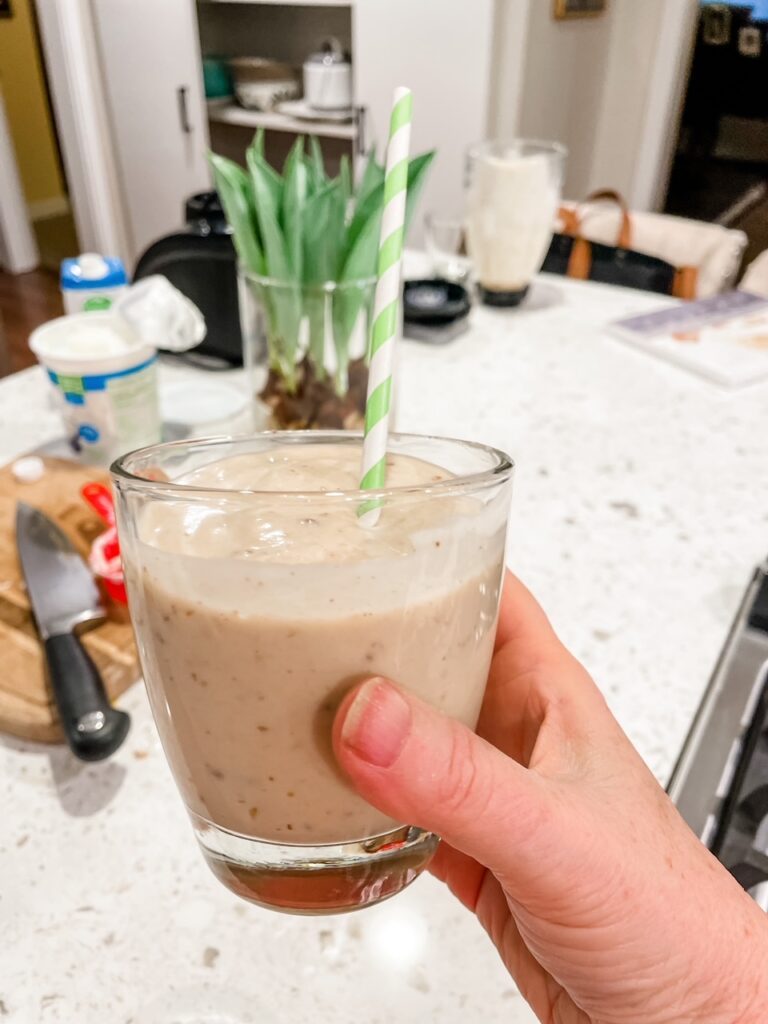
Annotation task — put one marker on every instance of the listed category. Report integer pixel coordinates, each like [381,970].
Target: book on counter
[723,338]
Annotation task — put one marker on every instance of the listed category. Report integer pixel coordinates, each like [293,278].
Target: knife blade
[64,599]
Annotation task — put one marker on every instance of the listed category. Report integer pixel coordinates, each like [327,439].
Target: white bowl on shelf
[261,83]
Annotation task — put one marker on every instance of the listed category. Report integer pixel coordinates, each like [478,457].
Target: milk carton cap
[91,270]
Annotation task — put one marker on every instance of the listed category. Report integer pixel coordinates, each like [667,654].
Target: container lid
[92,270]
[88,343]
[331,53]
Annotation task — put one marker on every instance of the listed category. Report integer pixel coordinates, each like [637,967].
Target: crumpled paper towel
[160,315]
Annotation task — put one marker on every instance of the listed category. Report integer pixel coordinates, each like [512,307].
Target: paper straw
[386,306]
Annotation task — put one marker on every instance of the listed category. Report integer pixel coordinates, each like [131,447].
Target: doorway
[29,299]
[720,167]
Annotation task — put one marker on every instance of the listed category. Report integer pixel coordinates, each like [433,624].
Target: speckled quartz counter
[641,506]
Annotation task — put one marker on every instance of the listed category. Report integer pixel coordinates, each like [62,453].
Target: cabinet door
[150,56]
[441,49]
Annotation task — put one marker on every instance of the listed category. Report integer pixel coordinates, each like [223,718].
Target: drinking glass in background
[514,191]
[259,600]
[447,248]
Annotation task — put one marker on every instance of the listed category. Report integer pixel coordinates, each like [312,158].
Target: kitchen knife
[65,598]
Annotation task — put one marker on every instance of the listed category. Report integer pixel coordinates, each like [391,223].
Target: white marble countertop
[641,507]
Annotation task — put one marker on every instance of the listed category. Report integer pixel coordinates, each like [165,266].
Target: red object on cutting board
[104,558]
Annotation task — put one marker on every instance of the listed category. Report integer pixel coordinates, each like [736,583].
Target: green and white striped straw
[386,306]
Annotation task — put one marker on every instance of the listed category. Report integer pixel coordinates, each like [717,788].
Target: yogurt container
[105,377]
[91,282]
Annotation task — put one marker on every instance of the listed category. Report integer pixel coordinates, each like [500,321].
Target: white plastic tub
[106,379]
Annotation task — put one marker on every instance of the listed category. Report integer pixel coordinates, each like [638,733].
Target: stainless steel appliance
[720,782]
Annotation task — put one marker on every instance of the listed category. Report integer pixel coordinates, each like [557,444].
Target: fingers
[419,766]
[522,620]
[531,670]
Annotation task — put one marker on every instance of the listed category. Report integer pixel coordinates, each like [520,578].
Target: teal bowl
[217,79]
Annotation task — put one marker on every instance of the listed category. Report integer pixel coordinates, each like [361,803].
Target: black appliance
[201,262]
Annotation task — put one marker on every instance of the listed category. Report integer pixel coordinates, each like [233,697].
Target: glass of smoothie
[259,597]
[513,195]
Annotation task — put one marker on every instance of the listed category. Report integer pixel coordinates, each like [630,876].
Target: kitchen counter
[640,508]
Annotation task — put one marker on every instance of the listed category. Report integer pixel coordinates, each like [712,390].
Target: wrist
[743,995]
[756,1011]
[722,977]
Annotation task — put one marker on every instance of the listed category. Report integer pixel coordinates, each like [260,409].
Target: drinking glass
[251,631]
[446,245]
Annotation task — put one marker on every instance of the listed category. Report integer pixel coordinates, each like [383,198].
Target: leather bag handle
[610,195]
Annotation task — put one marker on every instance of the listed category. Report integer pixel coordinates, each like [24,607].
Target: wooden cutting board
[26,705]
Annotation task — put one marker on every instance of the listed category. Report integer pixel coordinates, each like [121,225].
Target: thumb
[423,768]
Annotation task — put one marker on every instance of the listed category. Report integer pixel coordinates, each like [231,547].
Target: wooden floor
[26,301]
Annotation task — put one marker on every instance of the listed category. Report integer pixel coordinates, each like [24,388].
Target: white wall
[393,41]
[510,31]
[664,102]
[650,51]
[609,88]
[563,84]
[621,100]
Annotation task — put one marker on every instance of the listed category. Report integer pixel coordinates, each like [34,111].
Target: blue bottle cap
[92,271]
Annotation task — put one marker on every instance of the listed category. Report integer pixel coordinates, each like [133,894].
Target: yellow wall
[27,105]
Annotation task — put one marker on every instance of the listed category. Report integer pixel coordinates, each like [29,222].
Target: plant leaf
[336,230]
[370,193]
[285,297]
[267,215]
[323,234]
[345,177]
[236,195]
[360,260]
[323,241]
[294,199]
[314,309]
[364,210]
[417,172]
[254,157]
[360,263]
[258,142]
[373,175]
[317,164]
[348,301]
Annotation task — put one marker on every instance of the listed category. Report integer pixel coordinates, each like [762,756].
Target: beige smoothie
[254,620]
[511,207]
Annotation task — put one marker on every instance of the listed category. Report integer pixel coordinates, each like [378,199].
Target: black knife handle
[92,727]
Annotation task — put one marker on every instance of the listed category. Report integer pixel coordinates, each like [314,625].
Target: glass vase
[304,350]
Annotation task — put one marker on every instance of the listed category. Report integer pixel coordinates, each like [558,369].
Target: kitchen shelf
[231,113]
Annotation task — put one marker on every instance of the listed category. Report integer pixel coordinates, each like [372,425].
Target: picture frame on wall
[6,10]
[579,8]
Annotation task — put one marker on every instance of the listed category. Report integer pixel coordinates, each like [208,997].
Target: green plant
[304,229]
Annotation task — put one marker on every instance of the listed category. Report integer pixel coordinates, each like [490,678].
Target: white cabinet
[145,152]
[152,77]
[441,49]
